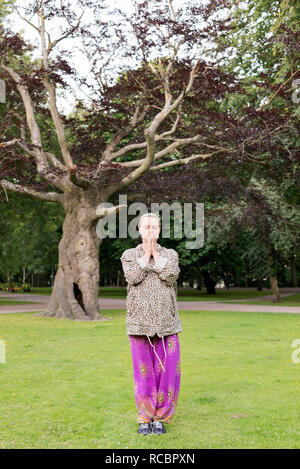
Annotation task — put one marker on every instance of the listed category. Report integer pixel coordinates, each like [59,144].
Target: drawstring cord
[156,353]
[164,346]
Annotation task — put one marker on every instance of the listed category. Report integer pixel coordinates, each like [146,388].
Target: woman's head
[149,225]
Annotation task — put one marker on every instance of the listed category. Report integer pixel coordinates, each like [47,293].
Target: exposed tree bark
[272,274]
[274,288]
[76,285]
[75,290]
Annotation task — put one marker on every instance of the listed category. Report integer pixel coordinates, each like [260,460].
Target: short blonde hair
[150,214]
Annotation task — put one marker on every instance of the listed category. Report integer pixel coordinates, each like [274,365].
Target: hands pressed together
[150,249]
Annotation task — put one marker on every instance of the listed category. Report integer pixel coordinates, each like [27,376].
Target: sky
[65,99]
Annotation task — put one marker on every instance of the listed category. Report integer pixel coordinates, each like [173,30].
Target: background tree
[30,231]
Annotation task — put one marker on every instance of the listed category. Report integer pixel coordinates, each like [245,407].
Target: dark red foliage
[121,47]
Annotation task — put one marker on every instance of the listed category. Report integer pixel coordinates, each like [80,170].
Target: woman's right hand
[148,249]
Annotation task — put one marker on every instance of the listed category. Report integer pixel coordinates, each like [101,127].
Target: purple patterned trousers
[156,376]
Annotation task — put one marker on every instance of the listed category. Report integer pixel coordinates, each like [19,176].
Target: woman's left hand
[154,249]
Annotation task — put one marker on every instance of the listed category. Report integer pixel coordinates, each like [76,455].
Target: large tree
[141,120]
[156,119]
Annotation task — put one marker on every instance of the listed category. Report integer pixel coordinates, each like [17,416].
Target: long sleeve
[159,265]
[141,261]
[133,272]
[167,268]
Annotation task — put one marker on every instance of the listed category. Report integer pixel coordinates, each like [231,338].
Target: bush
[7,286]
[14,287]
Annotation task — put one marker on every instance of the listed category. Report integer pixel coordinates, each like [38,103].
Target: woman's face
[149,227]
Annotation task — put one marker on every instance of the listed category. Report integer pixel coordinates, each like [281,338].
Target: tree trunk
[275,289]
[272,274]
[209,283]
[76,284]
[226,281]
[200,280]
[236,280]
[293,271]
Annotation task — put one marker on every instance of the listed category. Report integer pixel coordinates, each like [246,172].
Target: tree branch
[37,152]
[26,20]
[150,136]
[184,160]
[54,161]
[51,88]
[136,119]
[76,179]
[137,146]
[46,196]
[277,91]
[51,44]
[30,117]
[164,151]
[101,212]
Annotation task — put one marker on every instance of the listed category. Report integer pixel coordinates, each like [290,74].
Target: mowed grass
[184,294]
[4,302]
[69,384]
[191,294]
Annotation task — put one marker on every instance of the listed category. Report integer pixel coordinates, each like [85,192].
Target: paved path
[267,297]
[109,303]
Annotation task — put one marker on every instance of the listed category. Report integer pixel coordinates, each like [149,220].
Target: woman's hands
[150,247]
[154,250]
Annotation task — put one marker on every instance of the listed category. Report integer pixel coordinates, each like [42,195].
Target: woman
[152,324]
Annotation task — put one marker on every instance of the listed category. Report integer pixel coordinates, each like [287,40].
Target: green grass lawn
[69,384]
[191,295]
[183,294]
[5,301]
[40,291]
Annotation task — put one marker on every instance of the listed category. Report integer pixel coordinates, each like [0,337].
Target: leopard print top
[151,301]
